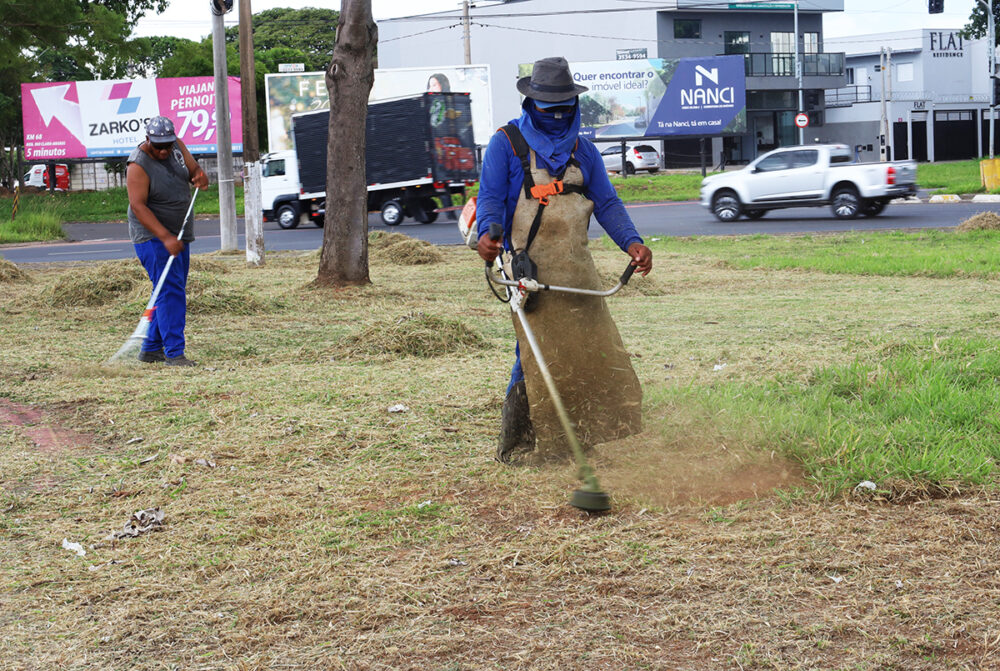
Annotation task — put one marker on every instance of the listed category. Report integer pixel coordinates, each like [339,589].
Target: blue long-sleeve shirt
[502,182]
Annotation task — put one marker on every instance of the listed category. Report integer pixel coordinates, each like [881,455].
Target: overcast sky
[192,18]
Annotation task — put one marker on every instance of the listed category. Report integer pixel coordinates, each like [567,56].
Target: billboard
[64,120]
[289,94]
[659,97]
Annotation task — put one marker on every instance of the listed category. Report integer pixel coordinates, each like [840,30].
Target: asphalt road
[110,240]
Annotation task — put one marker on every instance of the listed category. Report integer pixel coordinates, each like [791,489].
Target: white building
[936,94]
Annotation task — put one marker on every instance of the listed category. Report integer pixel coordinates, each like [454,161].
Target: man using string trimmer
[542,182]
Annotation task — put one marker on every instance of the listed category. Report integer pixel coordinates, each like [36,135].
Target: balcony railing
[775,64]
[848,95]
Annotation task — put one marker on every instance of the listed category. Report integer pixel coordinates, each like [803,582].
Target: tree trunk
[349,78]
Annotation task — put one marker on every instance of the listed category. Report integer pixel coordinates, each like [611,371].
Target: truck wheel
[319,221]
[392,212]
[873,208]
[425,211]
[845,203]
[754,214]
[726,206]
[288,215]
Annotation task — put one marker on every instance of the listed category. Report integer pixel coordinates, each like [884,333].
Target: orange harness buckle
[543,191]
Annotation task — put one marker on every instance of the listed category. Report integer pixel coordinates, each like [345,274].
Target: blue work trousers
[516,374]
[166,326]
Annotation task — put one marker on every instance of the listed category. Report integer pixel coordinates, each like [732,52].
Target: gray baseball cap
[160,130]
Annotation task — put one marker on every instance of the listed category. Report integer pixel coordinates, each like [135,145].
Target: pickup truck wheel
[629,169]
[726,206]
[873,208]
[287,215]
[754,214]
[319,221]
[846,204]
[392,212]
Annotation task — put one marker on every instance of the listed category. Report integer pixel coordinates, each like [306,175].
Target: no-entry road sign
[801,120]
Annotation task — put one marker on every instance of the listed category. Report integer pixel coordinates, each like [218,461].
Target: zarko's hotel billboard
[661,97]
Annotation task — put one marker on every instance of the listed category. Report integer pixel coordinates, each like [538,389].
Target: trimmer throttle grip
[627,275]
[496,230]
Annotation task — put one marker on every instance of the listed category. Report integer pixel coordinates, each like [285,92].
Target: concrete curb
[986,198]
[945,198]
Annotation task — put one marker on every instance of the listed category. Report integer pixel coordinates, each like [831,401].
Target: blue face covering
[552,139]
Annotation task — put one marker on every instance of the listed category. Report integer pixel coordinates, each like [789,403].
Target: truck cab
[279,188]
[38,177]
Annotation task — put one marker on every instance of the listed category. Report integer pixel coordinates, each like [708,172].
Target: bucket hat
[550,81]
[160,130]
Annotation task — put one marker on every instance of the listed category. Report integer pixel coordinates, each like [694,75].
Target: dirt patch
[38,427]
[984,221]
[655,470]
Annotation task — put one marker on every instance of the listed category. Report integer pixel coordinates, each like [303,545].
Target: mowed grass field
[306,526]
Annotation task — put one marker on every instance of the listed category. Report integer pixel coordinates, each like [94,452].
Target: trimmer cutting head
[591,501]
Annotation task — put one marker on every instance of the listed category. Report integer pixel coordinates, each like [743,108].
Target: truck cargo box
[422,138]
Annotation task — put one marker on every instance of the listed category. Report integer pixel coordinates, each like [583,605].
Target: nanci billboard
[659,97]
[293,93]
[64,120]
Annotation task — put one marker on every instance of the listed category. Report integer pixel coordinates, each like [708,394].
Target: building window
[810,43]
[850,75]
[687,29]
[782,43]
[904,72]
[737,42]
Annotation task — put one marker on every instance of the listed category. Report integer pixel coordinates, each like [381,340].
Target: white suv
[638,157]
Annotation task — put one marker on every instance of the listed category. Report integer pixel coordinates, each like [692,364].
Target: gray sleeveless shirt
[169,194]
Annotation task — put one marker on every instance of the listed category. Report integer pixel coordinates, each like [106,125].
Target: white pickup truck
[808,176]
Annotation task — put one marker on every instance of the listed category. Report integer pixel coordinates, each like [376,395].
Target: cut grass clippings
[306,527]
[10,273]
[413,334]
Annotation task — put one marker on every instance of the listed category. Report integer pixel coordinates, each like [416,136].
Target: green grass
[34,222]
[950,177]
[928,253]
[110,205]
[925,414]
[655,188]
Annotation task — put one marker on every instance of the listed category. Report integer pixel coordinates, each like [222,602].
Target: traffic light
[935,6]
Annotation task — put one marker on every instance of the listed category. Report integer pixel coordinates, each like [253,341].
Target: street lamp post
[798,67]
[991,52]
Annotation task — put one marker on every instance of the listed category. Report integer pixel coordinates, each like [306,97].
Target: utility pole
[798,68]
[991,39]
[252,213]
[227,193]
[884,121]
[467,31]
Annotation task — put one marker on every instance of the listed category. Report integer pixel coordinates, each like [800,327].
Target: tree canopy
[976,27]
[310,31]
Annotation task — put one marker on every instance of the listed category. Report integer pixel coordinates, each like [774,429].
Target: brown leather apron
[576,334]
